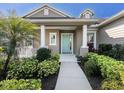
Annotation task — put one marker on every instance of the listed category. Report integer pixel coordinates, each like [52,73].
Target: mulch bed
[95,82]
[49,82]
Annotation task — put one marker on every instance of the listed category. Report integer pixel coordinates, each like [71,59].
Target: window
[87,15]
[52,38]
[46,11]
[91,40]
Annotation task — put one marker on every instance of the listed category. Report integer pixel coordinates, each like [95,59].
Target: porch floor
[71,77]
[67,58]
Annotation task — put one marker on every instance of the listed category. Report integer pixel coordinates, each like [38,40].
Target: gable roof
[113,18]
[87,11]
[33,12]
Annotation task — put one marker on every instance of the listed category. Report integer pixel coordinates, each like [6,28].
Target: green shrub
[1,63]
[112,85]
[47,68]
[111,70]
[23,69]
[121,74]
[43,54]
[109,67]
[1,49]
[55,57]
[91,68]
[104,48]
[13,84]
[116,51]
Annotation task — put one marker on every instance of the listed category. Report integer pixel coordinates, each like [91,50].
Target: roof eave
[111,19]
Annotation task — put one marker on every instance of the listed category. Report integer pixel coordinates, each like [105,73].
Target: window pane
[90,38]
[90,41]
[53,38]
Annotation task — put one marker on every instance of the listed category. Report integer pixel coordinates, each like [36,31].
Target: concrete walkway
[71,77]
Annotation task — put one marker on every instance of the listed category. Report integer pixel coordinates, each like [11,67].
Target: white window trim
[50,34]
[94,32]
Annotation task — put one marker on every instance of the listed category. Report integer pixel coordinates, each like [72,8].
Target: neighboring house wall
[112,33]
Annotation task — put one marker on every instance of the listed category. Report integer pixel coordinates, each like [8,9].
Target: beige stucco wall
[36,41]
[78,41]
[112,33]
[54,48]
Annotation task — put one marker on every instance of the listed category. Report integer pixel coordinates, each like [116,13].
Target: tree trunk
[10,54]
[4,71]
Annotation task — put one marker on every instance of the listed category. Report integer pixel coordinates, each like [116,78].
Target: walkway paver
[71,77]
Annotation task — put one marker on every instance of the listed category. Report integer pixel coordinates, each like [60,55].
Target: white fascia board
[115,17]
[49,7]
[62,20]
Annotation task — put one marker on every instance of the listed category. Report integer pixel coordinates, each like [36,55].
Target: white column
[84,36]
[42,36]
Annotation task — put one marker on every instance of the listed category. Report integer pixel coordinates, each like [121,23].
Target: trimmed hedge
[43,54]
[111,70]
[115,51]
[13,84]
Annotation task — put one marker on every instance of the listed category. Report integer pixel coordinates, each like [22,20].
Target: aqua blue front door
[66,43]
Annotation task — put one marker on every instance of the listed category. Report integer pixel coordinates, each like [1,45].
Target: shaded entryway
[71,77]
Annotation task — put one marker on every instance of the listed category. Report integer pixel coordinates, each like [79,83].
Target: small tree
[14,29]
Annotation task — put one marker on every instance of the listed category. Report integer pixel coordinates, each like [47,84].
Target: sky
[74,9]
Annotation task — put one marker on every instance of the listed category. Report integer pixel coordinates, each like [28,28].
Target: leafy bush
[104,48]
[1,63]
[109,67]
[112,85]
[43,54]
[1,49]
[91,47]
[55,57]
[13,84]
[91,68]
[23,69]
[47,68]
[121,75]
[115,51]
[111,70]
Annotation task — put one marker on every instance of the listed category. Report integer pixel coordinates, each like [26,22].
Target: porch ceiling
[64,22]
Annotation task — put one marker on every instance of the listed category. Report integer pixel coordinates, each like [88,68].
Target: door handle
[70,45]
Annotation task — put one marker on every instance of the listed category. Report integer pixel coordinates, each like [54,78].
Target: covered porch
[64,36]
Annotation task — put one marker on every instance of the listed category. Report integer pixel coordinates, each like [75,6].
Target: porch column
[84,47]
[42,36]
[84,36]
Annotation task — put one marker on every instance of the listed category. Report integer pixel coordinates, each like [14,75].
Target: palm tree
[14,30]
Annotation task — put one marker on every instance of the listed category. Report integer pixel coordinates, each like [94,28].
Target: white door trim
[71,43]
